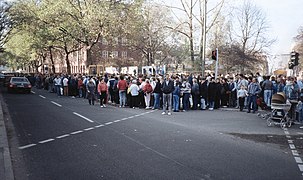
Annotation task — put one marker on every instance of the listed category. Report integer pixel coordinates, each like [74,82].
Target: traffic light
[294,58]
[214,55]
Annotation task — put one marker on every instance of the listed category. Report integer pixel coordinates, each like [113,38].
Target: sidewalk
[6,169]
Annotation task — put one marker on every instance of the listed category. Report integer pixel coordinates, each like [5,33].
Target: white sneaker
[120,106]
[211,109]
[147,108]
[104,105]
[163,113]
[169,113]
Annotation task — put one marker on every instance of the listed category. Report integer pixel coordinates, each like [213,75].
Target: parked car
[19,84]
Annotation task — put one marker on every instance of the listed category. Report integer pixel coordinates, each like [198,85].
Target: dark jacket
[212,91]
[167,89]
[203,90]
[157,88]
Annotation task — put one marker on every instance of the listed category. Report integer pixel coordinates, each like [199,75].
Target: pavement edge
[7,163]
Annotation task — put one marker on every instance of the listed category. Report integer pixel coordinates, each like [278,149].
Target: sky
[285,18]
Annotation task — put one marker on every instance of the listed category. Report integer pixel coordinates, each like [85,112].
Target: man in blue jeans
[167,89]
[253,90]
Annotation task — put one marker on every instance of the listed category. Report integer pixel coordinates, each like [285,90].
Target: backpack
[148,88]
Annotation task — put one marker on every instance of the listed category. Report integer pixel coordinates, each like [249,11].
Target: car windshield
[19,80]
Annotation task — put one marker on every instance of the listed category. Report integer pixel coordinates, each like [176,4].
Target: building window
[124,41]
[124,54]
[115,54]
[104,41]
[105,54]
[116,41]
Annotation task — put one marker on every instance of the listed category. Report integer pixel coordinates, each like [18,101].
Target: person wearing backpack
[147,89]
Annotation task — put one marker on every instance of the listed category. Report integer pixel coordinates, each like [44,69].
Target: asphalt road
[65,138]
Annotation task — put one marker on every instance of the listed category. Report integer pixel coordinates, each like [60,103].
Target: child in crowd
[242,93]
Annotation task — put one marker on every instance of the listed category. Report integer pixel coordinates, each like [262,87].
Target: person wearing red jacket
[122,87]
[102,90]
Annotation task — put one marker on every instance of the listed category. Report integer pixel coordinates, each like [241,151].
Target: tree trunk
[89,58]
[191,40]
[52,59]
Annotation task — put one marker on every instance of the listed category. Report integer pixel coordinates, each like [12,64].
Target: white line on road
[295,152]
[56,104]
[290,141]
[42,96]
[63,136]
[300,167]
[292,146]
[46,141]
[33,92]
[76,132]
[27,146]
[83,117]
[108,123]
[88,129]
[298,160]
[117,121]
[286,132]
[289,137]
[131,117]
[124,119]
[101,125]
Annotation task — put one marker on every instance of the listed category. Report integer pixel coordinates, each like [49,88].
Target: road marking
[88,129]
[290,141]
[63,136]
[289,137]
[295,152]
[27,146]
[286,132]
[292,146]
[56,104]
[101,125]
[76,132]
[46,141]
[83,117]
[33,92]
[298,160]
[300,167]
[42,97]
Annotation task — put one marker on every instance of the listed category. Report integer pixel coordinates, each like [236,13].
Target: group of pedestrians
[173,93]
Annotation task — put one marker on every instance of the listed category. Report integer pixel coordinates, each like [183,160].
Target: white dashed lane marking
[80,131]
[83,117]
[56,104]
[46,141]
[33,92]
[63,136]
[27,146]
[42,96]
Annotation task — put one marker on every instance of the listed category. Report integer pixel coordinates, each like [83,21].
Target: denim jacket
[254,89]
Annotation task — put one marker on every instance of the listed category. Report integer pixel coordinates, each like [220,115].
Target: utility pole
[203,38]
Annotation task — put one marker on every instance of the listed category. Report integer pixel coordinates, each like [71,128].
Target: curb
[6,168]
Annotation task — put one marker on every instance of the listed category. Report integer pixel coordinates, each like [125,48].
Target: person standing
[267,86]
[203,93]
[147,90]
[90,88]
[176,96]
[65,86]
[167,89]
[242,93]
[134,95]
[103,91]
[253,90]
[195,93]
[186,91]
[122,87]
[212,91]
[58,85]
[157,93]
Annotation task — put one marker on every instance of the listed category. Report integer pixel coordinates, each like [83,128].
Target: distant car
[19,84]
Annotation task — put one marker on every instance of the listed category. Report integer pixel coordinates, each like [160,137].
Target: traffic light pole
[217,63]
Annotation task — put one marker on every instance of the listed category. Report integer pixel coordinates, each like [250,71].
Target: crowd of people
[174,92]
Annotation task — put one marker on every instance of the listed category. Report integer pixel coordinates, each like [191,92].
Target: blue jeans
[176,99]
[211,104]
[156,100]
[122,96]
[252,101]
[167,100]
[58,90]
[267,97]
[80,92]
[186,102]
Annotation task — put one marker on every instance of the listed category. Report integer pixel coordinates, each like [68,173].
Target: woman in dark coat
[212,88]
[224,93]
[91,88]
[218,93]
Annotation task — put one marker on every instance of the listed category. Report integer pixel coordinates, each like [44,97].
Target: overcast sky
[285,17]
